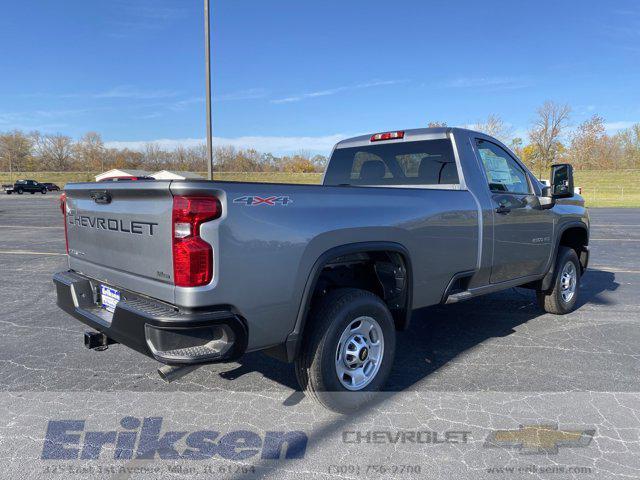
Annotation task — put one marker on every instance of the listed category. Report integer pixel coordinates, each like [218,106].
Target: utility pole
[207,54]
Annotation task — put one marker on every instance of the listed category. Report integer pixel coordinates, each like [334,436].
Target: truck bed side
[266,241]
[264,253]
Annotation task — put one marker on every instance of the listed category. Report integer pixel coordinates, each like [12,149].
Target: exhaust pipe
[170,373]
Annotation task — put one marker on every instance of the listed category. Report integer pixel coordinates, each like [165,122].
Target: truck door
[522,232]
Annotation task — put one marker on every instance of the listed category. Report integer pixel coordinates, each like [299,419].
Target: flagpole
[207,55]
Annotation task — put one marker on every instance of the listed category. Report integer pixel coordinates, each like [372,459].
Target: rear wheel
[562,298]
[43,191]
[348,349]
[19,191]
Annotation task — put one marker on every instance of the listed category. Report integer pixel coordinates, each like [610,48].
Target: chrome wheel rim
[359,353]
[568,282]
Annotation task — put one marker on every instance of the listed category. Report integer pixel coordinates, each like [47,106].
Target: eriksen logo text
[70,440]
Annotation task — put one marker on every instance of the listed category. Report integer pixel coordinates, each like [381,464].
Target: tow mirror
[546,199]
[561,180]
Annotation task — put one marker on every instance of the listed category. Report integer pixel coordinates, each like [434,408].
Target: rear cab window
[417,163]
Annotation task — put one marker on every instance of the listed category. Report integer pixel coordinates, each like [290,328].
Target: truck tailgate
[120,233]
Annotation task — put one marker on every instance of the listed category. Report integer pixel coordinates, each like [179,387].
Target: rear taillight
[387,136]
[63,209]
[192,256]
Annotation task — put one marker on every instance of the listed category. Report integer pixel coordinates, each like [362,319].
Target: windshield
[427,162]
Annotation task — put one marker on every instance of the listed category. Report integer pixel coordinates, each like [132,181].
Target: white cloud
[182,104]
[142,15]
[149,116]
[276,145]
[248,94]
[494,83]
[613,127]
[119,91]
[333,91]
[521,132]
[128,91]
[34,120]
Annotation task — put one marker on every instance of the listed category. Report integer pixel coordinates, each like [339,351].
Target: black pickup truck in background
[51,187]
[22,186]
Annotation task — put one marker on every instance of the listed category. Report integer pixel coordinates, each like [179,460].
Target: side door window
[521,231]
[504,174]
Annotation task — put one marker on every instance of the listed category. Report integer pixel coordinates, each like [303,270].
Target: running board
[494,287]
[459,297]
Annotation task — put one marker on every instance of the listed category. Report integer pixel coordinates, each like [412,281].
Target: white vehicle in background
[576,190]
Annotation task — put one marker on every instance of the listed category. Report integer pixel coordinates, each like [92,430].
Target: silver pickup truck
[197,272]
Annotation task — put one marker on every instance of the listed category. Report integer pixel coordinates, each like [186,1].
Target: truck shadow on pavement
[437,335]
[440,334]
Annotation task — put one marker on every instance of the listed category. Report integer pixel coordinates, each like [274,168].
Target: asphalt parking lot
[490,364]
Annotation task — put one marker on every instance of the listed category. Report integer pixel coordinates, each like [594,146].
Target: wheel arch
[294,339]
[574,235]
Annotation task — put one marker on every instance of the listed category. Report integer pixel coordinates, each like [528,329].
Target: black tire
[315,366]
[9,193]
[553,301]
[43,191]
[19,191]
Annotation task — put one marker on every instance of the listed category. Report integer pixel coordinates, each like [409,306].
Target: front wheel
[347,350]
[562,298]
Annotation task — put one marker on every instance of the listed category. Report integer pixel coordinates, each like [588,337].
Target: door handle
[503,210]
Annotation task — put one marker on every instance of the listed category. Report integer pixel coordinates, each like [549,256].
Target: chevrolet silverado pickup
[193,272]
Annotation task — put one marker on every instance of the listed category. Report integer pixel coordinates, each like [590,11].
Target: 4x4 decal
[254,200]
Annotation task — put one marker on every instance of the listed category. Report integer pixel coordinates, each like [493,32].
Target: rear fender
[294,339]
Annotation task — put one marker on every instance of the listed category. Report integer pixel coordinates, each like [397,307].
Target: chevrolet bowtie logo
[531,439]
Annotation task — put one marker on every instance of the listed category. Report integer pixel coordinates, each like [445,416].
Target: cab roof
[410,135]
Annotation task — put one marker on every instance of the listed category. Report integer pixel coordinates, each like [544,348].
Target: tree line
[37,152]
[549,139]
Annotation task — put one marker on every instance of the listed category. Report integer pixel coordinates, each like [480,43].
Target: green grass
[62,178]
[275,177]
[600,188]
[59,178]
[609,188]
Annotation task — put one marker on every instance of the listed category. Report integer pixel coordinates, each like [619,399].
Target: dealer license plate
[109,297]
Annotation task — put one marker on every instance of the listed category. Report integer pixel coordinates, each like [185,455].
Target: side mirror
[547,200]
[561,180]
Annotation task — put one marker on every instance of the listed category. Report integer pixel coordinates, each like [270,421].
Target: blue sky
[302,74]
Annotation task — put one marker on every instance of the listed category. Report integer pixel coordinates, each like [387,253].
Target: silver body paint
[264,255]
